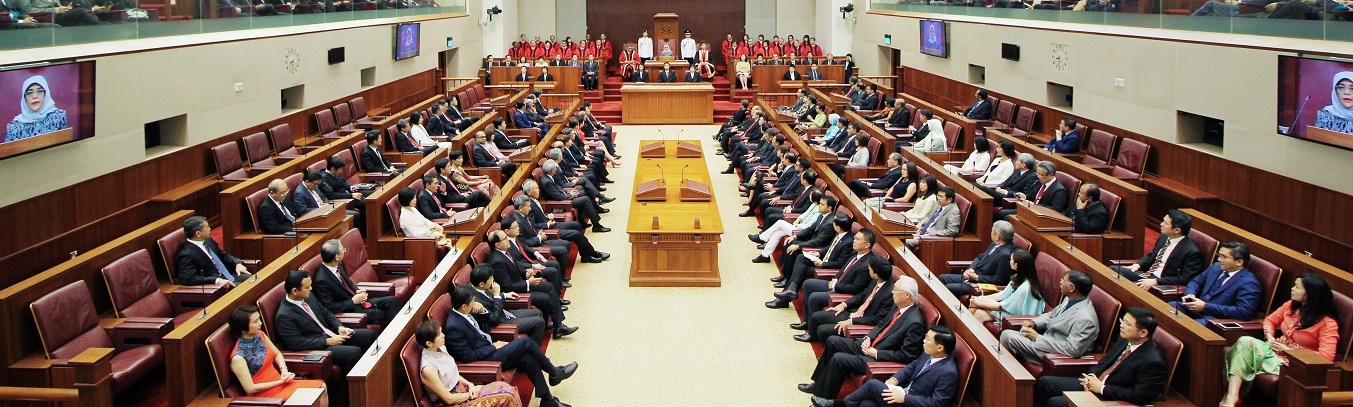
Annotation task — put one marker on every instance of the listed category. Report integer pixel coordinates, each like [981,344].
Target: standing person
[688,48]
[603,49]
[645,46]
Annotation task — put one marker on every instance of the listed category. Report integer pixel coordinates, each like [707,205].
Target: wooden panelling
[708,20]
[1292,213]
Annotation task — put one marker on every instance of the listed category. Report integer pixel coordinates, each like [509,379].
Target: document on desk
[305,397]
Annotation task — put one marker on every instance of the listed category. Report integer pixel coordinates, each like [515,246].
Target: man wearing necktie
[1048,192]
[813,73]
[336,291]
[932,380]
[832,234]
[897,340]
[302,323]
[944,222]
[489,311]
[428,204]
[990,267]
[1174,260]
[549,269]
[1227,290]
[1133,370]
[202,261]
[867,307]
[467,341]
[274,214]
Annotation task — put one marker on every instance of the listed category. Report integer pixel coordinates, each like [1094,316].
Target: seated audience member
[852,277]
[435,126]
[405,143]
[1022,176]
[420,133]
[978,160]
[500,139]
[944,222]
[590,73]
[303,323]
[275,216]
[1021,297]
[545,75]
[929,138]
[793,74]
[202,261]
[927,200]
[523,75]
[898,340]
[667,75]
[333,185]
[485,154]
[452,116]
[900,117]
[743,70]
[990,267]
[1304,322]
[336,291]
[428,203]
[866,307]
[1231,8]
[522,279]
[1089,214]
[772,212]
[442,381]
[63,14]
[1174,260]
[868,100]
[1047,192]
[980,109]
[467,342]
[256,362]
[489,310]
[372,159]
[832,234]
[1065,140]
[1133,369]
[800,104]
[1227,290]
[903,190]
[412,222]
[890,105]
[890,177]
[529,259]
[457,187]
[1069,329]
[1000,167]
[587,208]
[538,222]
[932,380]
[770,239]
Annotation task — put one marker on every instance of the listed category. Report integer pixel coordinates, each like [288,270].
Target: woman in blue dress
[1020,297]
[38,113]
[1338,116]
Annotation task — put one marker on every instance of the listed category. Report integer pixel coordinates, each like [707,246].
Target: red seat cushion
[133,364]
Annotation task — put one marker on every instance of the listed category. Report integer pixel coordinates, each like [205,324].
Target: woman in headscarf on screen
[38,113]
[1338,116]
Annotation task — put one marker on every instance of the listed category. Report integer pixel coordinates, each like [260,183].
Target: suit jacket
[980,110]
[936,386]
[855,279]
[428,206]
[792,76]
[195,268]
[1067,330]
[545,77]
[271,220]
[901,343]
[297,331]
[435,127]
[1093,219]
[1184,263]
[373,161]
[640,76]
[1236,299]
[334,187]
[501,140]
[591,68]
[302,201]
[494,315]
[869,102]
[849,69]
[888,179]
[788,178]
[1020,182]
[332,292]
[520,119]
[878,309]
[482,158]
[947,222]
[523,77]
[1138,379]
[667,76]
[691,76]
[993,265]
[507,272]
[464,342]
[404,144]
[1055,197]
[814,75]
[1071,143]
[819,234]
[552,191]
[841,251]
[900,118]
[530,232]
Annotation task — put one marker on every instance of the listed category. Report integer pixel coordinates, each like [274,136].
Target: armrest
[354,320]
[1015,322]
[857,330]
[187,298]
[898,207]
[504,332]
[257,401]
[1233,329]
[1167,293]
[1121,263]
[316,369]
[252,265]
[836,298]
[456,206]
[1056,364]
[377,289]
[558,206]
[481,372]
[387,268]
[957,266]
[522,302]
[550,234]
[377,176]
[145,331]
[825,274]
[883,370]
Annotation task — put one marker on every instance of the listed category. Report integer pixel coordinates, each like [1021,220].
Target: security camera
[848,8]
[492,11]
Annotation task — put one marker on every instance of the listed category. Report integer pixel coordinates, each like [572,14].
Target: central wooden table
[676,253]
[667,103]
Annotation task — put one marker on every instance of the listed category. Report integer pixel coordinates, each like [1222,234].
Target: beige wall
[198,81]
[536,17]
[571,19]
[1161,77]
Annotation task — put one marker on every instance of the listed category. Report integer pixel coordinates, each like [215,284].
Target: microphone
[662,174]
[679,135]
[1293,128]
[663,135]
[683,174]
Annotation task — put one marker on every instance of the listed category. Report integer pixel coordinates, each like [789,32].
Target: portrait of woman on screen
[1338,116]
[38,113]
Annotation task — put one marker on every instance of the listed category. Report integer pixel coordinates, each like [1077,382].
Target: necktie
[1107,372]
[346,283]
[918,374]
[523,252]
[860,312]
[847,267]
[931,221]
[306,306]
[828,254]
[285,212]
[1039,197]
[475,324]
[1221,281]
[220,267]
[315,195]
[1156,265]
[889,326]
[435,200]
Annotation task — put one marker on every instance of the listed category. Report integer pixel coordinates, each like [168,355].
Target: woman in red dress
[256,362]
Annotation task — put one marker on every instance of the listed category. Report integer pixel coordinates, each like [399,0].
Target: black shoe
[603,256]
[747,214]
[803,337]
[787,294]
[565,285]
[719,151]
[600,229]
[806,387]
[777,303]
[553,402]
[822,402]
[564,330]
[617,156]
[565,302]
[727,171]
[777,279]
[607,200]
[585,225]
[601,189]
[567,279]
[563,372]
[799,325]
[755,238]
[563,308]
[761,259]
[607,181]
[780,284]
[604,210]
[591,260]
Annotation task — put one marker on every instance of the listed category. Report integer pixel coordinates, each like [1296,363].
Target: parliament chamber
[1050,193]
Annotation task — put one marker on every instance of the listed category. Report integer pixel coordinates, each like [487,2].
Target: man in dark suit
[849,67]
[467,342]
[869,100]
[1089,214]
[898,340]
[552,191]
[372,159]
[1174,260]
[692,76]
[1133,370]
[980,109]
[591,71]
[762,192]
[801,183]
[1066,140]
[803,202]
[852,276]
[793,74]
[306,196]
[435,126]
[522,121]
[667,75]
[404,142]
[518,278]
[333,185]
[867,307]
[500,139]
[640,75]
[545,75]
[482,157]
[428,204]
[1023,176]
[537,222]
[1047,192]
[275,216]
[531,260]
[452,116]
[813,73]
[882,183]
[336,291]
[830,232]
[202,262]
[471,197]
[302,323]
[990,267]
[523,76]
[932,380]
[1227,290]
[490,313]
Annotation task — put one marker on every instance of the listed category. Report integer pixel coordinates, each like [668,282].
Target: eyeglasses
[39,91]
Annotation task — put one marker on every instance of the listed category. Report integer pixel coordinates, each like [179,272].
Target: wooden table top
[674,215]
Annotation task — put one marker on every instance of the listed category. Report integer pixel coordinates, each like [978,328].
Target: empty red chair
[67,326]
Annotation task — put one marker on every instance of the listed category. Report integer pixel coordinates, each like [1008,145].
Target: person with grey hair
[404,141]
[1022,177]
[551,190]
[533,231]
[568,176]
[896,340]
[1047,192]
[990,267]
[485,154]
[1069,329]
[339,294]
[275,215]
[530,236]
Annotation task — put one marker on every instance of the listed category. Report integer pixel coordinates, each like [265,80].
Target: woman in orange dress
[1304,322]
[256,362]
[442,381]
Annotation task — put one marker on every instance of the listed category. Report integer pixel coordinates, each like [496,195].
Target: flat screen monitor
[337,55]
[935,38]
[1315,100]
[1010,51]
[48,105]
[406,41]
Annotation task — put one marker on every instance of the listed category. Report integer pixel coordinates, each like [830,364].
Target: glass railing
[1309,19]
[113,20]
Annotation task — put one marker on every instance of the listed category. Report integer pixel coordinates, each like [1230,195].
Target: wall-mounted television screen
[935,38]
[1315,100]
[55,105]
[406,41]
[1010,51]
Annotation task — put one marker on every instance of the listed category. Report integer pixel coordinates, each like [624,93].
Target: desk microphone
[664,137]
[679,134]
[1293,129]
[683,174]
[662,175]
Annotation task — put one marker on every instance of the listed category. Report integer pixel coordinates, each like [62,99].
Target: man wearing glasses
[1132,370]
[1069,329]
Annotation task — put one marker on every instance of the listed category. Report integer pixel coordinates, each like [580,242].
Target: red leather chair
[219,346]
[1024,122]
[1131,160]
[952,133]
[1055,364]
[259,153]
[282,142]
[965,360]
[328,126]
[1005,113]
[481,372]
[252,201]
[359,113]
[1072,185]
[1207,245]
[136,293]
[1170,349]
[67,326]
[229,164]
[369,274]
[343,115]
[169,246]
[1099,149]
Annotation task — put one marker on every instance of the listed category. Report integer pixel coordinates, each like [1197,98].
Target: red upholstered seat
[67,326]
[1131,160]
[343,115]
[1099,148]
[1005,112]
[282,142]
[229,164]
[219,346]
[1024,122]
[364,270]
[1072,185]
[135,292]
[257,150]
[952,133]
[169,249]
[327,124]
[1207,245]
[252,201]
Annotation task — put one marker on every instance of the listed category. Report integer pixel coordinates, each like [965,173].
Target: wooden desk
[654,66]
[676,253]
[668,103]
[768,77]
[567,79]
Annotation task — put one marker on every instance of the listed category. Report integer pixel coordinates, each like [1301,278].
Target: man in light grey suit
[944,222]
[1069,329]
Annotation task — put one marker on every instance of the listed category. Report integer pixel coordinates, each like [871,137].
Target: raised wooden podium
[655,190]
[320,220]
[1042,218]
[674,239]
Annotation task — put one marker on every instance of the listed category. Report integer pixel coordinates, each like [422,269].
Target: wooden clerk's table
[676,253]
[667,103]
